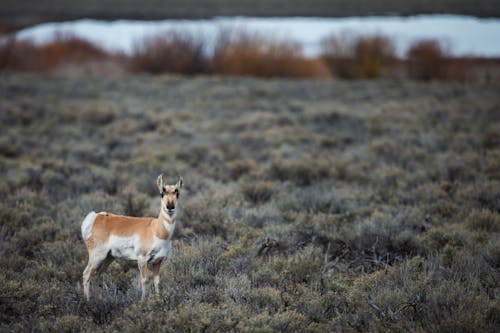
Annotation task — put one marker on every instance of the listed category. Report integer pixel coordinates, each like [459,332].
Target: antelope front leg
[156,276]
[143,269]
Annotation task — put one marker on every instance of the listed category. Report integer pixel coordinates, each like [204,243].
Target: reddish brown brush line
[430,60]
[241,53]
[245,54]
[170,53]
[360,57]
[238,54]
[351,57]
[426,60]
[26,55]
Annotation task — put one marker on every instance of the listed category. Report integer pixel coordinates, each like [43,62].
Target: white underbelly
[124,247]
[128,248]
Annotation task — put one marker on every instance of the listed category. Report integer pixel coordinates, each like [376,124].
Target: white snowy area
[462,35]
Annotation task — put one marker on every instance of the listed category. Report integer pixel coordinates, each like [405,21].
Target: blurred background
[19,14]
[423,40]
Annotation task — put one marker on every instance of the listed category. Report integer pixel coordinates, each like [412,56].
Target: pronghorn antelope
[143,239]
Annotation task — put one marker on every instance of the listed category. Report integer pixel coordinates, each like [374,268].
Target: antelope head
[169,196]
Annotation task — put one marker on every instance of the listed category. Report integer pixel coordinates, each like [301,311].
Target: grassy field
[16,14]
[360,206]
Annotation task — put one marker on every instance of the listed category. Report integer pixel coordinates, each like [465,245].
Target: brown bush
[258,192]
[338,55]
[359,57]
[426,60]
[243,53]
[430,60]
[240,167]
[374,55]
[25,55]
[8,57]
[172,52]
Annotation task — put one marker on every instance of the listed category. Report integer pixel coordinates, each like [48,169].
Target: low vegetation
[343,206]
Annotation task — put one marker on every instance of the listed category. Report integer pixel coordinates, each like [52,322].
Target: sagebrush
[308,206]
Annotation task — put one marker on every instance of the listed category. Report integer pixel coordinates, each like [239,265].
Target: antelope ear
[159,182]
[179,182]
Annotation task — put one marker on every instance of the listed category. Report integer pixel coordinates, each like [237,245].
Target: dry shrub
[244,53]
[359,57]
[302,173]
[338,55]
[258,192]
[353,57]
[484,220]
[426,60]
[11,51]
[374,56]
[26,55]
[173,52]
[236,168]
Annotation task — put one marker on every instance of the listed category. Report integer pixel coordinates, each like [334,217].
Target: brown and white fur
[143,239]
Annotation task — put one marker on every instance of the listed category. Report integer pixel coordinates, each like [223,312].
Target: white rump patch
[87,225]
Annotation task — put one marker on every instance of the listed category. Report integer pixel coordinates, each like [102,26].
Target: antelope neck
[164,216]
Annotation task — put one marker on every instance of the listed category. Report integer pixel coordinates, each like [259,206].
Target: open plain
[308,206]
